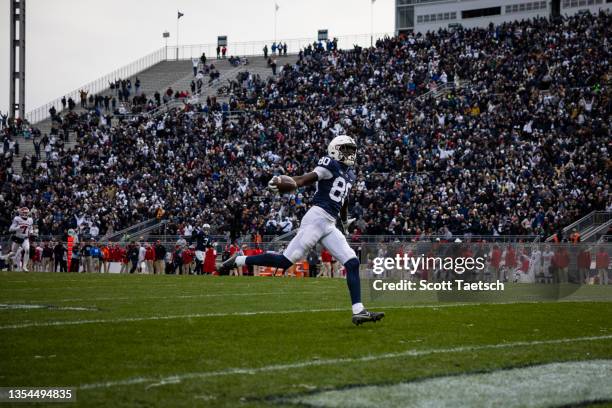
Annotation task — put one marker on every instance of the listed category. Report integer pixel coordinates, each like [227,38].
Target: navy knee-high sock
[275,260]
[352,280]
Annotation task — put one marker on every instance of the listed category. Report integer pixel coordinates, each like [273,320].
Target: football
[285,184]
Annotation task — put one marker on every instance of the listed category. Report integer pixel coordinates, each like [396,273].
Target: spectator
[160,256]
[492,156]
[105,258]
[195,62]
[142,256]
[59,256]
[96,255]
[313,263]
[602,263]
[76,258]
[86,256]
[326,264]
[125,260]
[210,261]
[150,258]
[133,253]
[47,258]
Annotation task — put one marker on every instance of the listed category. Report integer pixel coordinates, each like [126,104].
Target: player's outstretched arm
[285,184]
[306,180]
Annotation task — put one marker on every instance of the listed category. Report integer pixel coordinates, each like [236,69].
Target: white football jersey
[21,227]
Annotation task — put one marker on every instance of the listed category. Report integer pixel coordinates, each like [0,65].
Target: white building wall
[511,10]
[570,7]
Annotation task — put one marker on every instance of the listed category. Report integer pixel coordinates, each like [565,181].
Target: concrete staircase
[174,74]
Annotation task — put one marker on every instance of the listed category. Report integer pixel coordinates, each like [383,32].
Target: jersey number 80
[339,190]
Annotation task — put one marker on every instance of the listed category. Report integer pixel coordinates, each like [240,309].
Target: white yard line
[32,306]
[203,295]
[253,313]
[175,379]
[203,315]
[47,288]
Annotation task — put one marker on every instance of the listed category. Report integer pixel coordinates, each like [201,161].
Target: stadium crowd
[503,130]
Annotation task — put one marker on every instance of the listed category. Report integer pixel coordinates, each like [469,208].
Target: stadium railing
[255,48]
[438,91]
[101,84]
[511,262]
[182,52]
[596,231]
[584,224]
[443,238]
[136,231]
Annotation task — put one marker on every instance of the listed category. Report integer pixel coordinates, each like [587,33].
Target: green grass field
[184,341]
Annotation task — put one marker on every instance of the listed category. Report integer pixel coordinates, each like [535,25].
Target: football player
[20,230]
[334,177]
[203,242]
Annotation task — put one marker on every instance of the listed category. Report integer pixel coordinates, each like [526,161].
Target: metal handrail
[443,88]
[589,217]
[176,103]
[142,232]
[285,235]
[600,228]
[120,233]
[581,220]
[407,238]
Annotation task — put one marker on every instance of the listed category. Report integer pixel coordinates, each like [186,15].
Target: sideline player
[20,230]
[334,178]
[203,242]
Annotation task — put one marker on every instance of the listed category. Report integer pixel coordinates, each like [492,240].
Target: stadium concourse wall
[185,52]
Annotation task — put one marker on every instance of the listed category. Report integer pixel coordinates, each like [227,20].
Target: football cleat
[228,265]
[365,316]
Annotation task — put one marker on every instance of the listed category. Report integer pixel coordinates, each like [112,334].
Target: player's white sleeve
[323,173]
[14,226]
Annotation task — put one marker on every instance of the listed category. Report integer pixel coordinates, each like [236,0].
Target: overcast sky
[73,42]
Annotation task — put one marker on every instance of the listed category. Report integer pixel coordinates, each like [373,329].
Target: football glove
[272,184]
[346,225]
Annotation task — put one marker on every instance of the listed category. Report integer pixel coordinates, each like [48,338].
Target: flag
[180,15]
[276,6]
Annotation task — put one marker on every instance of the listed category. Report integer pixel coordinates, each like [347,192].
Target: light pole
[166,35]
[372,22]
[276,7]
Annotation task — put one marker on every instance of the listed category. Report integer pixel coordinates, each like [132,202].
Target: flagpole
[372,22]
[177,34]
[275,12]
